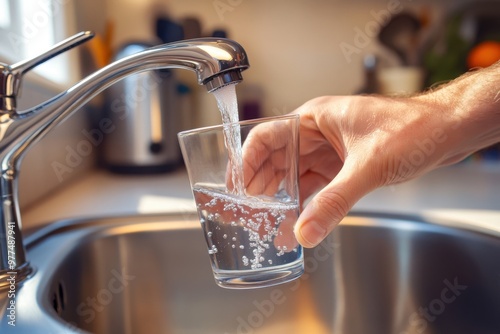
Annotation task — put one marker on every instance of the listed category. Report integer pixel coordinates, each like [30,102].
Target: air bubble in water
[213,250]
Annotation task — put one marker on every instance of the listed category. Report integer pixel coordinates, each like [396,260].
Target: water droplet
[225,236]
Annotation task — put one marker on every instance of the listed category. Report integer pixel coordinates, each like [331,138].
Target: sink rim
[191,220]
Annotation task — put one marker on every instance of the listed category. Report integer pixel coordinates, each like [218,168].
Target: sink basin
[151,274]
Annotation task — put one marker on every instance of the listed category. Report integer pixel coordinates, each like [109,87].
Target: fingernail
[312,233]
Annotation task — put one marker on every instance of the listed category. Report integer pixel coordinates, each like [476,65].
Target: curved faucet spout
[216,62]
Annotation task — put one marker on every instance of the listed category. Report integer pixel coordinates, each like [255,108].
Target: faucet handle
[10,76]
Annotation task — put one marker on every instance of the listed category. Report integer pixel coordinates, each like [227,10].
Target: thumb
[329,206]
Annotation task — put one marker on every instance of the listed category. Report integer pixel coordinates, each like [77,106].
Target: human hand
[348,146]
[352,145]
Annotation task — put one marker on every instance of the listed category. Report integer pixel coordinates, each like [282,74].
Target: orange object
[100,46]
[484,54]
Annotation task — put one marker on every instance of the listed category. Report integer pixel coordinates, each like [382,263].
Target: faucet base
[9,279]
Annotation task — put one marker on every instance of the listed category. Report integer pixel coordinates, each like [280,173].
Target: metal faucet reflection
[217,62]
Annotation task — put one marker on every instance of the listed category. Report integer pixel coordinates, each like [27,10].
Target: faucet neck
[217,62]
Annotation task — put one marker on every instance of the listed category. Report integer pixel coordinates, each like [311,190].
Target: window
[4,14]
[30,27]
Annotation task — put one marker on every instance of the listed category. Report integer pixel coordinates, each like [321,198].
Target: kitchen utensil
[145,121]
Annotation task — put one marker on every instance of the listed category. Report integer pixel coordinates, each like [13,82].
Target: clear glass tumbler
[247,198]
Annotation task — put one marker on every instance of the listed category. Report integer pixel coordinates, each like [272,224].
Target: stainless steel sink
[151,274]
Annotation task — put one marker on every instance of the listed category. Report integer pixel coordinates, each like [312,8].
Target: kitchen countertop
[465,192]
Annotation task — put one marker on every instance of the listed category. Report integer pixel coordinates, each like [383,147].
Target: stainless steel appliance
[142,109]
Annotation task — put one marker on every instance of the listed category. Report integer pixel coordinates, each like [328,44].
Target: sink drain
[58,299]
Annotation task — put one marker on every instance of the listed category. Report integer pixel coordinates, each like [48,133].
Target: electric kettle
[142,110]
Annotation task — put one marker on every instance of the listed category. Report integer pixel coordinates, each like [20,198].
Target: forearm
[473,102]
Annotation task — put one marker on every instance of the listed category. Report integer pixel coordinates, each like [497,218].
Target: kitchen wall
[52,162]
[63,155]
[297,49]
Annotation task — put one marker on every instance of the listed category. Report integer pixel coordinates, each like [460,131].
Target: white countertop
[101,193]
[465,192]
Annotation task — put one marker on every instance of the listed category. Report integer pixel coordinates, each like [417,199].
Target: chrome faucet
[217,62]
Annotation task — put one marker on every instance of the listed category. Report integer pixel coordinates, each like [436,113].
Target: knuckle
[333,205]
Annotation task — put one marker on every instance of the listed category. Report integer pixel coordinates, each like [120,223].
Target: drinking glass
[244,178]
